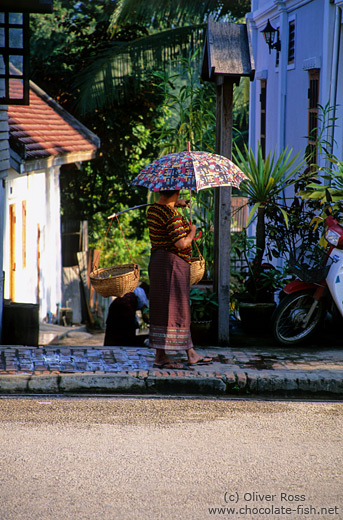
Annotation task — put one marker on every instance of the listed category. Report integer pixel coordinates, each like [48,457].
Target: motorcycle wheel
[287,321]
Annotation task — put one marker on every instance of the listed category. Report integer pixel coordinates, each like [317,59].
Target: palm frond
[157,13]
[122,64]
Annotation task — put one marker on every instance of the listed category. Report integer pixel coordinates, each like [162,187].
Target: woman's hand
[182,203]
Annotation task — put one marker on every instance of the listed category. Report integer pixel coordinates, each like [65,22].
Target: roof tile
[44,131]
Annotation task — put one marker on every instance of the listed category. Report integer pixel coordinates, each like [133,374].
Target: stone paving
[235,371]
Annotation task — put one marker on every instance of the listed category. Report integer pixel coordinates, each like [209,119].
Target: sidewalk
[79,364]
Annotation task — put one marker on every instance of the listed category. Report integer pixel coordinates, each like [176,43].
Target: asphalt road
[147,459]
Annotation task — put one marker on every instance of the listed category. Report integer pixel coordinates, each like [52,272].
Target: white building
[307,71]
[43,137]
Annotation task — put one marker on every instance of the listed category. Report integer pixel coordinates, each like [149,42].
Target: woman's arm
[184,242]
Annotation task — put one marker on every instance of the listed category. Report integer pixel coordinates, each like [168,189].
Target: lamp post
[269,34]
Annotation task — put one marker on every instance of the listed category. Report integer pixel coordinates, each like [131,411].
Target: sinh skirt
[169,306]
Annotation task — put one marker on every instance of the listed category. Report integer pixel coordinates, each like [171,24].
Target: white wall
[287,85]
[40,190]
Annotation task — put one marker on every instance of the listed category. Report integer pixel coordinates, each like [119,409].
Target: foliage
[240,114]
[250,281]
[127,109]
[322,186]
[204,304]
[61,44]
[187,114]
[265,183]
[282,238]
[204,221]
[325,186]
[115,249]
[102,185]
[276,226]
[331,183]
[163,12]
[172,29]
[320,136]
[187,111]
[123,66]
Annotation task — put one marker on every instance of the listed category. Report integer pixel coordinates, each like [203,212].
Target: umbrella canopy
[189,170]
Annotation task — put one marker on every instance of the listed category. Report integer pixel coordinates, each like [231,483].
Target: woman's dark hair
[169,193]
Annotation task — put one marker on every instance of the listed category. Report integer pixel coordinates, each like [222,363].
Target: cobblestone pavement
[71,360]
[116,359]
[63,369]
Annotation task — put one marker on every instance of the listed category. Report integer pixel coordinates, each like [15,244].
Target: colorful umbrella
[192,170]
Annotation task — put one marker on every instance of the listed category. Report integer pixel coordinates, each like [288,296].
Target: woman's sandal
[201,361]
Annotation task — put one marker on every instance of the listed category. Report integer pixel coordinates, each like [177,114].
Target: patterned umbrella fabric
[189,170]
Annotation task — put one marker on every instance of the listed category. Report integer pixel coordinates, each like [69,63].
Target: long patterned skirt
[169,306]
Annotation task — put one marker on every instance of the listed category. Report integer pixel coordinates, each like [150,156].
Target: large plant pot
[203,333]
[256,317]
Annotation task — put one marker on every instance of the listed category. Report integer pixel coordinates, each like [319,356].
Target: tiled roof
[44,129]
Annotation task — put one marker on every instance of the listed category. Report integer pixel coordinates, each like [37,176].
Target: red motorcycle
[318,289]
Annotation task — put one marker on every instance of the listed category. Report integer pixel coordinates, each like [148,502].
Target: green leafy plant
[114,249]
[322,189]
[264,186]
[204,304]
[250,281]
[328,181]
[266,180]
[187,111]
[282,238]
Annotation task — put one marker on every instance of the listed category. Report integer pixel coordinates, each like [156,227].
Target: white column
[53,252]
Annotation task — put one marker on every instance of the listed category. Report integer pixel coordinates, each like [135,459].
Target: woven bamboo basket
[197,269]
[115,281]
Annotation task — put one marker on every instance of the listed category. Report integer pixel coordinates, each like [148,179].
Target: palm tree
[171,29]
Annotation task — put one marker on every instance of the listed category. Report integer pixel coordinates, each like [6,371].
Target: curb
[248,383]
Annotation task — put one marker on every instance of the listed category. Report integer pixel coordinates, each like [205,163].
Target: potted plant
[204,309]
[252,286]
[266,180]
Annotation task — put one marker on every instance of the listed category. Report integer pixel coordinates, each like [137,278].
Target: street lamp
[269,34]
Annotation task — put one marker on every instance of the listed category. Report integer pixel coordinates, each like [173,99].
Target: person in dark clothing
[121,323]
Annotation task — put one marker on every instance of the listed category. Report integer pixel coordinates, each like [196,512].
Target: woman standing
[169,271]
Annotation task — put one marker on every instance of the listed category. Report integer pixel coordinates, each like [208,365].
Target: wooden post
[227,57]
[223,209]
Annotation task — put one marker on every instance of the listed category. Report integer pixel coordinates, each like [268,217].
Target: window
[277,55]
[239,213]
[14,79]
[291,42]
[263,102]
[313,99]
